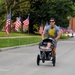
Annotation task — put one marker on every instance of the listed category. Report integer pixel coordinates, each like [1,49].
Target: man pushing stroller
[52,31]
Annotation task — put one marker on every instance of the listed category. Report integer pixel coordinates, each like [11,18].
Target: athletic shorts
[55,43]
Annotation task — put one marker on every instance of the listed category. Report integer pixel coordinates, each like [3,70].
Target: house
[72,23]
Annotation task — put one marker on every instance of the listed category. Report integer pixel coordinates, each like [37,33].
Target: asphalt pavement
[22,60]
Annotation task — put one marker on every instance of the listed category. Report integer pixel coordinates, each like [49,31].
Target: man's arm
[43,36]
[58,37]
[58,34]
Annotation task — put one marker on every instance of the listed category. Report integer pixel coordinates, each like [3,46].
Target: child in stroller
[46,46]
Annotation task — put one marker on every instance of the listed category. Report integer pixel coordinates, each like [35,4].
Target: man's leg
[54,54]
[54,51]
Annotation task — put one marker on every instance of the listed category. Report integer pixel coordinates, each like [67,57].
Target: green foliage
[36,27]
[63,36]
[38,10]
[2,21]
[59,9]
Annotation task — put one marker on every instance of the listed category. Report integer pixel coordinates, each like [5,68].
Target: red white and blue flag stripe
[18,23]
[26,21]
[41,28]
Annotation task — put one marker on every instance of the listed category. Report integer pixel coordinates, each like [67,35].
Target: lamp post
[69,17]
[28,25]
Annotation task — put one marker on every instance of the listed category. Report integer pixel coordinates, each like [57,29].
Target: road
[22,61]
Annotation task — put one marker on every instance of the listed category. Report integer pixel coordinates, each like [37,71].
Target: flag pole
[28,25]
[19,30]
[10,21]
[41,28]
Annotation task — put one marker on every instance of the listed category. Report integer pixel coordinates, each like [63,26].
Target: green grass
[63,36]
[9,42]
[18,41]
[12,34]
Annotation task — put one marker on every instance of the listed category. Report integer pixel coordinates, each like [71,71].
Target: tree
[60,9]
[40,10]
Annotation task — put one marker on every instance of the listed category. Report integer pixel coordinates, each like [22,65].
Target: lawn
[18,41]
[15,39]
[12,34]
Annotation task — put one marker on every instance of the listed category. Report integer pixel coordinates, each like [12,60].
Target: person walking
[52,31]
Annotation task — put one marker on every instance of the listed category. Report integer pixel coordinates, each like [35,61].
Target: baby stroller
[46,55]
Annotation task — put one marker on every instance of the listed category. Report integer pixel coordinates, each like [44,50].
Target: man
[52,31]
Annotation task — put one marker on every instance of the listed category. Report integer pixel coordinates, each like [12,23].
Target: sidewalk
[17,37]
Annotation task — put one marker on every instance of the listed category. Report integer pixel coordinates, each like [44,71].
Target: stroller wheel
[54,61]
[38,59]
[43,57]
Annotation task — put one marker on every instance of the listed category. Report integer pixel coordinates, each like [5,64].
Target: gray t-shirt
[51,32]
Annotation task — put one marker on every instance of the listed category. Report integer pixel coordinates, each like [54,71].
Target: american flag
[69,30]
[26,24]
[61,30]
[41,28]
[8,23]
[18,23]
[26,21]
